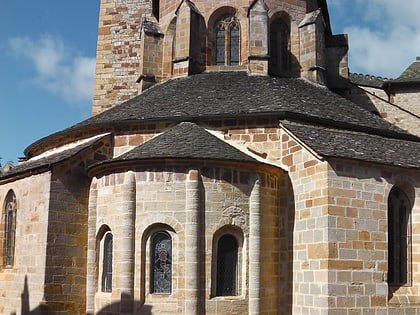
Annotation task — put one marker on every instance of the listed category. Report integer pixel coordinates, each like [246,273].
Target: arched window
[227,37]
[227,266]
[161,263]
[10,209]
[107,263]
[279,48]
[155,9]
[399,238]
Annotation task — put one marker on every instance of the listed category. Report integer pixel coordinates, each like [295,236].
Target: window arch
[9,223]
[161,263]
[399,238]
[279,47]
[227,266]
[227,40]
[107,250]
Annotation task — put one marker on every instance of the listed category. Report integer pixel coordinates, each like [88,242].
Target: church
[232,165]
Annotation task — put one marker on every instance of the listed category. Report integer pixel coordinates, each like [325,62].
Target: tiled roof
[186,140]
[236,94]
[44,164]
[329,142]
[410,75]
[367,80]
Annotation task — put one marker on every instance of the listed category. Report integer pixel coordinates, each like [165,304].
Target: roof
[185,140]
[411,74]
[367,80]
[44,164]
[237,94]
[219,95]
[330,142]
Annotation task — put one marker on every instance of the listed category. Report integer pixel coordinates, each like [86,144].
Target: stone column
[255,249]
[124,243]
[192,243]
[92,264]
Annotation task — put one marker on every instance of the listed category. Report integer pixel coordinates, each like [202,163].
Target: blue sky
[47,58]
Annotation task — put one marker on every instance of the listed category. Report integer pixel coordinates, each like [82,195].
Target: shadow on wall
[125,306]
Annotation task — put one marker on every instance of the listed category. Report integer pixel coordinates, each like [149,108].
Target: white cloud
[59,68]
[384,35]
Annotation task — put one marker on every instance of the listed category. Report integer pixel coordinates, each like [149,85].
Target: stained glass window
[227,34]
[10,227]
[107,264]
[161,263]
[399,238]
[227,265]
[220,45]
[234,45]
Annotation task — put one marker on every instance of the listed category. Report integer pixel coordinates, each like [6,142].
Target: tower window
[227,265]
[399,238]
[161,263]
[227,35]
[9,229]
[279,48]
[155,9]
[107,263]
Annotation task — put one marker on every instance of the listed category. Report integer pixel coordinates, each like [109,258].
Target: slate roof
[44,164]
[367,80]
[186,140]
[410,75]
[237,94]
[330,142]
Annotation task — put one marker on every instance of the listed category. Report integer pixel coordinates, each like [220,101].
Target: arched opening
[227,266]
[161,263]
[107,263]
[9,223]
[279,63]
[399,238]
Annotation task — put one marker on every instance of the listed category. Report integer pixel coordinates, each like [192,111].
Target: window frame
[153,262]
[280,47]
[107,270]
[9,230]
[230,254]
[222,33]
[399,227]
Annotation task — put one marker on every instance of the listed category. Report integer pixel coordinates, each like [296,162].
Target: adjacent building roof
[367,80]
[411,74]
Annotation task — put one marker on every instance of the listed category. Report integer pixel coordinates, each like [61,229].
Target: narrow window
[227,35]
[155,9]
[107,263]
[220,45]
[161,263]
[227,264]
[279,48]
[10,229]
[399,238]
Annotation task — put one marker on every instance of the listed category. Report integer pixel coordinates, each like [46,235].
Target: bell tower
[144,42]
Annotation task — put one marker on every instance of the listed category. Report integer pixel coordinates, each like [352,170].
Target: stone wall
[403,111]
[195,207]
[22,286]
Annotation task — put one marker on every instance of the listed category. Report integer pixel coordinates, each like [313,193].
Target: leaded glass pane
[107,264]
[161,263]
[227,261]
[234,45]
[220,45]
[10,226]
